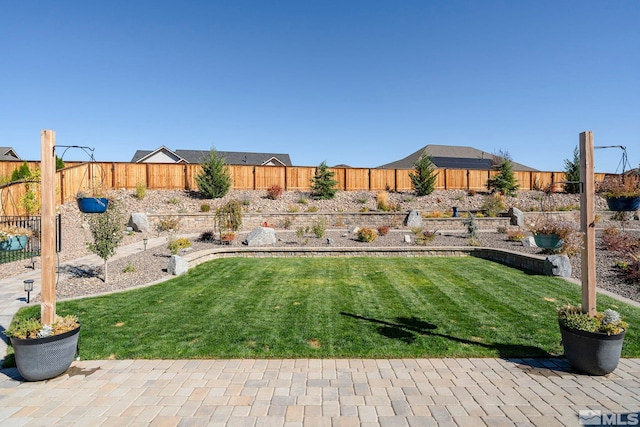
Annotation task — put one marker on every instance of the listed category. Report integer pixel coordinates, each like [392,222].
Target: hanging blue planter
[93,204]
[623,203]
[16,243]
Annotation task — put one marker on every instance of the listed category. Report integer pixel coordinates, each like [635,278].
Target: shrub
[319,227]
[176,244]
[501,229]
[618,241]
[568,231]
[169,223]
[274,192]
[292,209]
[286,224]
[312,209]
[300,232]
[323,186]
[572,173]
[227,237]
[366,235]
[505,181]
[493,205]
[303,200]
[228,216]
[383,230]
[472,226]
[207,236]
[205,207]
[425,237]
[141,191]
[471,193]
[515,235]
[214,180]
[423,179]
[129,268]
[382,201]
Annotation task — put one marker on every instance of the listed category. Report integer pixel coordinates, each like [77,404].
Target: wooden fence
[103,176]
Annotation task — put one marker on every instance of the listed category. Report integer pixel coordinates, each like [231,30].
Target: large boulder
[517,217]
[261,236]
[414,219]
[557,265]
[139,222]
[177,265]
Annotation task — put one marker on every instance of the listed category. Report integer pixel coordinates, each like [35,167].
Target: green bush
[319,227]
[141,191]
[367,235]
[423,180]
[505,181]
[323,186]
[214,180]
[175,245]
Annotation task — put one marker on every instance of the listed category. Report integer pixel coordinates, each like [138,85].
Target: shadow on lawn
[407,329]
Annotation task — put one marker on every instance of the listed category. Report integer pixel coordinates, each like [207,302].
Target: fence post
[587,224]
[48,233]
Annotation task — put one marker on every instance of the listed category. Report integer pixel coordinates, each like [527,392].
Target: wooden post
[48,228]
[587,224]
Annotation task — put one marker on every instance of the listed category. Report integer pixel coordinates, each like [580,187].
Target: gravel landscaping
[147,266]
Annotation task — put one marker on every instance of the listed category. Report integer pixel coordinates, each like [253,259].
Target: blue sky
[361,83]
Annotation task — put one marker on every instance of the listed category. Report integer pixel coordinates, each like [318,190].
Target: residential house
[8,153]
[165,155]
[453,157]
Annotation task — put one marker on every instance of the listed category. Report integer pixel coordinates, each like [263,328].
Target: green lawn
[335,307]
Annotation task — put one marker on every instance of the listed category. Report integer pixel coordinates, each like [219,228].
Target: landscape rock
[407,238]
[517,217]
[557,265]
[261,236]
[139,222]
[414,219]
[528,242]
[177,265]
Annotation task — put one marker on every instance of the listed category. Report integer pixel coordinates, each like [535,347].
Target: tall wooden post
[587,224]
[48,229]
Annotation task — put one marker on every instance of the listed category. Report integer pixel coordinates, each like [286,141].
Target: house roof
[452,157]
[230,157]
[8,153]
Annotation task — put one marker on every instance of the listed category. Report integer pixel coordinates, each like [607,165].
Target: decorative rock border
[532,263]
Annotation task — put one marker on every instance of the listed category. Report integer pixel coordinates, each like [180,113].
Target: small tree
[23,172]
[572,173]
[214,180]
[423,180]
[228,217]
[107,230]
[505,181]
[323,186]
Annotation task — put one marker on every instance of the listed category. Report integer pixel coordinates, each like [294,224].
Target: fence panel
[477,179]
[128,175]
[165,176]
[456,179]
[541,180]
[242,177]
[268,176]
[192,172]
[340,175]
[356,179]
[299,178]
[403,181]
[382,179]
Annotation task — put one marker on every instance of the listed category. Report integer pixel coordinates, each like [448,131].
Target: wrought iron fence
[31,247]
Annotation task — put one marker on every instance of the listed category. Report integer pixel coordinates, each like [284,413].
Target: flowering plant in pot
[43,351]
[556,234]
[592,344]
[622,192]
[13,238]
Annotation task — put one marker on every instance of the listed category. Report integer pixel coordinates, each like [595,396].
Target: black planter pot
[40,359]
[593,353]
[93,204]
[623,203]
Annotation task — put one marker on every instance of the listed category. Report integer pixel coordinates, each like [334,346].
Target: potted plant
[592,344]
[556,234]
[226,237]
[92,201]
[13,238]
[622,192]
[43,352]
